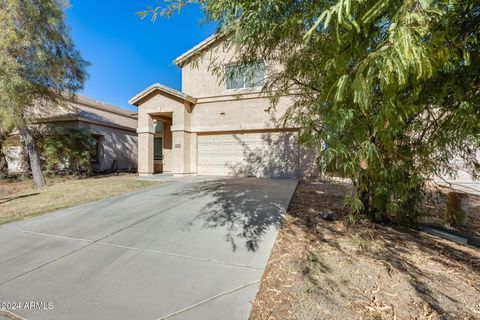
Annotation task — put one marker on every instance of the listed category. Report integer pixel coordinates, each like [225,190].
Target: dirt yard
[333,270]
[20,200]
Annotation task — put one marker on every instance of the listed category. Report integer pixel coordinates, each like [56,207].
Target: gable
[197,50]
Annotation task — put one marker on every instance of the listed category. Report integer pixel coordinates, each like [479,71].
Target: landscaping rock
[329,215]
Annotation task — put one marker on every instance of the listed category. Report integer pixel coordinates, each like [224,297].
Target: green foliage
[39,66]
[39,62]
[387,91]
[67,150]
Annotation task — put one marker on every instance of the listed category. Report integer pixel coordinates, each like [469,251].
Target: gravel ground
[335,270]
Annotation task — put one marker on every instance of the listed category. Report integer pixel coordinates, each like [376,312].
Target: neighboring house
[114,130]
[217,125]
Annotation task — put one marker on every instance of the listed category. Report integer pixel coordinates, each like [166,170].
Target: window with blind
[245,76]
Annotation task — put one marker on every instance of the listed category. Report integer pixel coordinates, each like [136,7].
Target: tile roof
[86,109]
[99,111]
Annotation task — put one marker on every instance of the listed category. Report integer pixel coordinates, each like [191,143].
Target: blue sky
[127,54]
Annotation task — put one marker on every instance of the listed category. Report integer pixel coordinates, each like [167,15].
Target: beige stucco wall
[220,109]
[199,81]
[167,147]
[248,112]
[145,154]
[116,144]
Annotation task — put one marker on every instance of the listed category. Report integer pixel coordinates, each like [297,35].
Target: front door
[158,148]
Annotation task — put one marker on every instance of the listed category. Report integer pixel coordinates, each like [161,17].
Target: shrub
[67,150]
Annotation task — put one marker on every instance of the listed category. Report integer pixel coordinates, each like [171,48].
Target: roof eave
[158,87]
[89,102]
[185,57]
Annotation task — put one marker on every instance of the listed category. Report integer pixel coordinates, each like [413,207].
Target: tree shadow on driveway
[246,208]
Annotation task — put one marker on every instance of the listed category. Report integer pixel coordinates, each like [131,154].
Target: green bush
[67,150]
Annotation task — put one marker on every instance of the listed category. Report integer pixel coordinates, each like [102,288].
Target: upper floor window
[245,76]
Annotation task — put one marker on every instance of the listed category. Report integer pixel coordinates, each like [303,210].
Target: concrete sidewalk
[194,248]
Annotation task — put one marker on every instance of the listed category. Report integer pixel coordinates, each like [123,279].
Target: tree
[3,160]
[387,89]
[39,66]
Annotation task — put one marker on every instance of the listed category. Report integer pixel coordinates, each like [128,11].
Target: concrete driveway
[194,248]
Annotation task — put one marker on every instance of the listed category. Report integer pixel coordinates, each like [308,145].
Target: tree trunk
[3,161]
[33,156]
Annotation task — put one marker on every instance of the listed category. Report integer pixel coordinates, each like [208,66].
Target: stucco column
[145,145]
[182,142]
[178,166]
[193,152]
[181,153]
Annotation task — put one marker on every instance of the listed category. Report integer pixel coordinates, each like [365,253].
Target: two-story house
[218,124]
